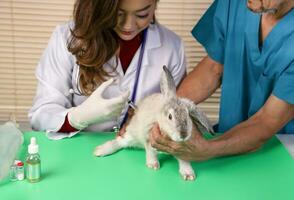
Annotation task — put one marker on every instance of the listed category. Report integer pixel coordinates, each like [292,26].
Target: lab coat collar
[153,37]
[153,41]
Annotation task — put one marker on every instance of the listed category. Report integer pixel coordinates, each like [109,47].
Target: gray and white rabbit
[175,117]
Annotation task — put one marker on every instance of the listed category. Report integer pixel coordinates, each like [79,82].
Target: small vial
[12,173]
[20,171]
[33,161]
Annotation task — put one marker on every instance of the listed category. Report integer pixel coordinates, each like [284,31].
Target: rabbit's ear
[198,117]
[167,83]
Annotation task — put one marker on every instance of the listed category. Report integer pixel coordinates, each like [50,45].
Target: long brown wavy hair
[93,40]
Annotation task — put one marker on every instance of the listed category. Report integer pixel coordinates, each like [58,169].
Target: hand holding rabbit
[194,149]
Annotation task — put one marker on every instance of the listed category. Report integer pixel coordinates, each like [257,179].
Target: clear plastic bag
[11,138]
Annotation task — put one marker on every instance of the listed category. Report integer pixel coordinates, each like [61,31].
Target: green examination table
[71,172]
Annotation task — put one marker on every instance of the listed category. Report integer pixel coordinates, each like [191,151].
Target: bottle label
[33,171]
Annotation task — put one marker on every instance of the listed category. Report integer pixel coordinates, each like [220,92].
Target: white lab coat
[57,73]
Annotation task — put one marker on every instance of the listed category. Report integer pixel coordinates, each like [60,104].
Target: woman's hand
[96,109]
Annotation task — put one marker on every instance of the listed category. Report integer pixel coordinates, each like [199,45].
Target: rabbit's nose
[183,135]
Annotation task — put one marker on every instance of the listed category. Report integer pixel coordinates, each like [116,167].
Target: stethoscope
[131,102]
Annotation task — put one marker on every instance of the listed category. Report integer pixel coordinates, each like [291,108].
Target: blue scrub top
[229,31]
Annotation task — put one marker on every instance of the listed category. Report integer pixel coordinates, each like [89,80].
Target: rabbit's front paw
[153,165]
[186,170]
[188,174]
[105,149]
[100,151]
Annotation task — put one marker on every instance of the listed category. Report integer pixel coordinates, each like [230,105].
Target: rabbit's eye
[170,117]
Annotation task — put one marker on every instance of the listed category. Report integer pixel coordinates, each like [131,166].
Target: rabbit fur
[175,117]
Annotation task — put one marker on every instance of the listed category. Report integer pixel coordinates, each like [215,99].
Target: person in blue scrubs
[250,47]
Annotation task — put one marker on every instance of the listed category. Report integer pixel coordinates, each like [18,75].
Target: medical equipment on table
[11,139]
[17,171]
[33,172]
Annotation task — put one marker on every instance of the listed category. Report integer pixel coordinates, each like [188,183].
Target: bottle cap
[16,162]
[19,164]
[33,147]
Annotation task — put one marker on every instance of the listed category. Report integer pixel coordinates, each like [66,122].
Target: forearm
[40,116]
[202,81]
[243,138]
[253,133]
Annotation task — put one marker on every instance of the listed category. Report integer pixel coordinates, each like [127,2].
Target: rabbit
[175,117]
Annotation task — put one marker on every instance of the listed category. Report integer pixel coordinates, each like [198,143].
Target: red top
[127,51]
[66,127]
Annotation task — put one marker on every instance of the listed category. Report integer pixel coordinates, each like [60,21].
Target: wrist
[211,152]
[74,119]
[212,148]
[217,147]
[66,127]
[205,149]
